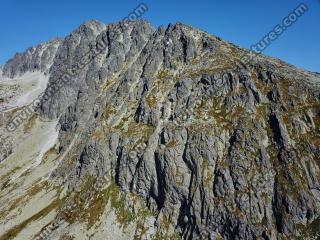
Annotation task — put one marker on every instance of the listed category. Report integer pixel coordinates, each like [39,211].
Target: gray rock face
[6,147]
[39,58]
[218,147]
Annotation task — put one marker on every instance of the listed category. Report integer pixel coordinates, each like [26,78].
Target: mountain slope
[164,133]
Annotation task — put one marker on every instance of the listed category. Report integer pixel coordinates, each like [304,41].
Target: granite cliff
[187,136]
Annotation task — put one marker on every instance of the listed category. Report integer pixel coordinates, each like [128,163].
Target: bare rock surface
[193,142]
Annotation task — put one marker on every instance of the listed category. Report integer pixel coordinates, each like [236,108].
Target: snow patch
[51,136]
[32,85]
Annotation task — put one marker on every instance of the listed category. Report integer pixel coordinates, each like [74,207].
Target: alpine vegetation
[157,133]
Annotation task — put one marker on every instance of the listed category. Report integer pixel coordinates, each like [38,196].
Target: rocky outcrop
[39,58]
[217,147]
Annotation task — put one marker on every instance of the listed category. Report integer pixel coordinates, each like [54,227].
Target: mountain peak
[158,133]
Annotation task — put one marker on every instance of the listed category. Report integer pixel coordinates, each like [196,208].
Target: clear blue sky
[27,23]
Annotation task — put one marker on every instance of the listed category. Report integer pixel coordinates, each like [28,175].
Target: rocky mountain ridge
[35,58]
[211,146]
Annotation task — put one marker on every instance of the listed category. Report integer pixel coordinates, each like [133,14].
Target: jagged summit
[38,58]
[184,137]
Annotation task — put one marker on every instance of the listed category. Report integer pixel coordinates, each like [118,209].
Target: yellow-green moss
[172,144]
[118,203]
[152,101]
[311,231]
[108,111]
[13,232]
[30,123]
[162,74]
